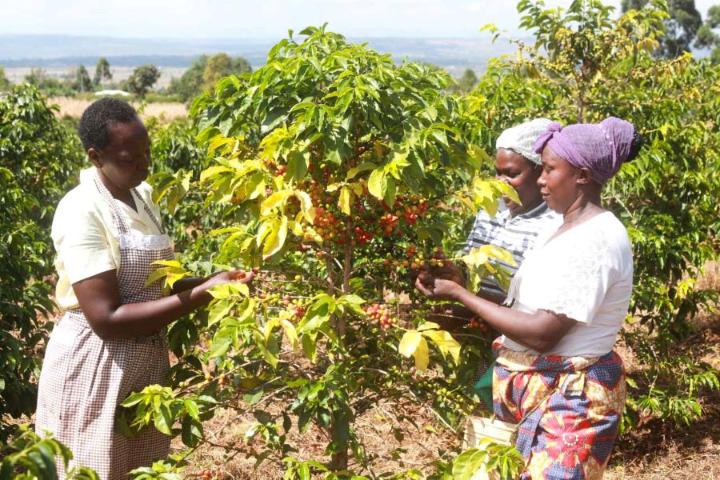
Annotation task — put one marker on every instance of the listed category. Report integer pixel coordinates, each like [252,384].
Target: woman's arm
[99,299]
[540,331]
[188,283]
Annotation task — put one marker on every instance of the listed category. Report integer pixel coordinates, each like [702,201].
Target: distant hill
[63,50]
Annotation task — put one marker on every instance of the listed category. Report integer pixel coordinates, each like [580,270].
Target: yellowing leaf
[217,142]
[445,343]
[169,270]
[475,258]
[275,235]
[377,183]
[345,200]
[227,290]
[306,205]
[428,326]
[276,200]
[498,253]
[409,343]
[269,327]
[214,171]
[508,191]
[363,167]
[422,355]
[290,333]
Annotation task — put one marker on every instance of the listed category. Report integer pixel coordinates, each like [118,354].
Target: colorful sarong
[570,435]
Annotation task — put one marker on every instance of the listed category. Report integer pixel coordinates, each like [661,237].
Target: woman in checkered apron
[110,341]
[557,376]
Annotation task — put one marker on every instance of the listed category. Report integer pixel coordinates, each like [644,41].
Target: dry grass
[167,111]
[396,436]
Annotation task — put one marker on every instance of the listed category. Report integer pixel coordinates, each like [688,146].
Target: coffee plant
[39,162]
[335,173]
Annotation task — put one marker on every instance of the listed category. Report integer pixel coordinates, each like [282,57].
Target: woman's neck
[582,209]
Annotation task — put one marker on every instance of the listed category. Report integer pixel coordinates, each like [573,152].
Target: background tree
[142,79]
[221,65]
[189,85]
[680,28]
[204,72]
[81,80]
[48,85]
[102,71]
[706,35]
[4,82]
[466,82]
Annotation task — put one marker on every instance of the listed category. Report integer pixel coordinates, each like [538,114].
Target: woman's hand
[229,276]
[437,288]
[448,271]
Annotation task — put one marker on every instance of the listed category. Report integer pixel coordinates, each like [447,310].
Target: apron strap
[149,212]
[118,217]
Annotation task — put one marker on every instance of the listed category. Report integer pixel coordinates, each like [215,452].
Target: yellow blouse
[85,238]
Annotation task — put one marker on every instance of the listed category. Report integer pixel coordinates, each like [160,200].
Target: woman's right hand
[229,276]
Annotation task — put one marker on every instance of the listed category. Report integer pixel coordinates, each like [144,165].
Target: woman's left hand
[437,288]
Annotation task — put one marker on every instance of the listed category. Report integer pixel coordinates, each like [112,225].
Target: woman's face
[558,182]
[522,175]
[125,160]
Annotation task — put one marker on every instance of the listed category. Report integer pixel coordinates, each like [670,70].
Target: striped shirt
[517,235]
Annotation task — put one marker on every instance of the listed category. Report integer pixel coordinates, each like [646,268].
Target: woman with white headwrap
[517,227]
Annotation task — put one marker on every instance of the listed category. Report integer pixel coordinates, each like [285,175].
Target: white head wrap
[521,138]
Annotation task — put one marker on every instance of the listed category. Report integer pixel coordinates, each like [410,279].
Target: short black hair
[95,120]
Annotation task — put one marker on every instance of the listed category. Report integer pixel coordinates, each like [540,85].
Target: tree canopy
[142,79]
[102,71]
[204,73]
[681,27]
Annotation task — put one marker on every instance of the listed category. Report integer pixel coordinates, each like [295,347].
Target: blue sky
[261,18]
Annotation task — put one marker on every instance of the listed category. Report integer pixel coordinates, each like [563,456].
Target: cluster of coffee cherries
[380,313]
[295,306]
[416,260]
[388,222]
[444,397]
[362,236]
[327,224]
[412,213]
[477,324]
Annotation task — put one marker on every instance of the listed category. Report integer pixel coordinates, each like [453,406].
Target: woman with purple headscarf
[557,375]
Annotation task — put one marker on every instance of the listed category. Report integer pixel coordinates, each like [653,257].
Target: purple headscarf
[600,147]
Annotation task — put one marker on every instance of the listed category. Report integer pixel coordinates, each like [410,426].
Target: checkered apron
[84,378]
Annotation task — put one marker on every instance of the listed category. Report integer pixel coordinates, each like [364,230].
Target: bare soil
[404,436]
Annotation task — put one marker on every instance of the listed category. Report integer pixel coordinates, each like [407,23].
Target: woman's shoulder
[605,232]
[609,226]
[79,200]
[78,208]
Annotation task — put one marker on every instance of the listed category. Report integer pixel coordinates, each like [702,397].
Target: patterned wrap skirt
[578,403]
